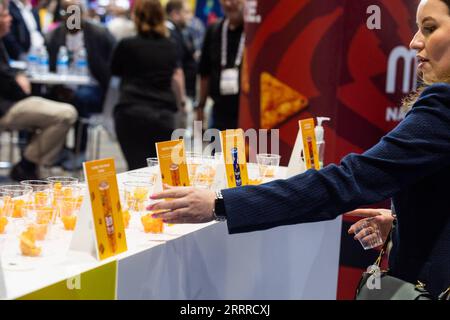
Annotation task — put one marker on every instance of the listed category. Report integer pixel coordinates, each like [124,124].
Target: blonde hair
[410,99]
[149,17]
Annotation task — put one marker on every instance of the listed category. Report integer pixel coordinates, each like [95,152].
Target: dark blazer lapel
[37,19]
[22,31]
[88,38]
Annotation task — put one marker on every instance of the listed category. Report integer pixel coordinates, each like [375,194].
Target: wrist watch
[219,212]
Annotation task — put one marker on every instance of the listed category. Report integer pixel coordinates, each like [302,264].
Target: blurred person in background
[25,30]
[221,58]
[196,29]
[120,25]
[20,111]
[177,15]
[149,68]
[47,10]
[95,43]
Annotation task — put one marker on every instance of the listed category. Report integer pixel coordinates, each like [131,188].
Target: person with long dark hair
[148,66]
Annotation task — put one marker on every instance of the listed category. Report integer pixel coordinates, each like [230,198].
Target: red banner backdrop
[329,55]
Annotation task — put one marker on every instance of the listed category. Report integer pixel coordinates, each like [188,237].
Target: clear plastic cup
[40,219]
[193,160]
[42,191]
[17,190]
[144,176]
[63,180]
[136,195]
[32,236]
[6,209]
[37,185]
[371,234]
[204,175]
[152,162]
[69,209]
[268,164]
[60,184]
[14,198]
[153,167]
[66,193]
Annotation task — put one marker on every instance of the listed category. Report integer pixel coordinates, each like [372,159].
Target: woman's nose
[417,42]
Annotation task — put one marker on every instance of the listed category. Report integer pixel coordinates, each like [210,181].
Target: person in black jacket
[148,66]
[98,44]
[411,165]
[25,30]
[19,111]
[221,57]
[177,13]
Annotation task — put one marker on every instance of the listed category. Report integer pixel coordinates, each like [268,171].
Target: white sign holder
[296,163]
[84,238]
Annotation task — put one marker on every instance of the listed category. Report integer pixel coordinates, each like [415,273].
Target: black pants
[225,116]
[138,128]
[87,100]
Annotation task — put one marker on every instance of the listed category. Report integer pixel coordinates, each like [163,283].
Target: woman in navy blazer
[411,165]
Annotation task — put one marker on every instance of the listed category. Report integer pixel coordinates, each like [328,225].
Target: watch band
[219,212]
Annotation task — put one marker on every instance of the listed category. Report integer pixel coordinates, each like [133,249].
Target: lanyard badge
[229,78]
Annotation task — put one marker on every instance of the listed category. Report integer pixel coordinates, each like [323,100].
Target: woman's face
[432,40]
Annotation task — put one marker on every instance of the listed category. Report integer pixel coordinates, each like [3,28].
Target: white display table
[200,262]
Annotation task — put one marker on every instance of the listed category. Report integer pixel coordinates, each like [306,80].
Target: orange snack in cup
[69,222]
[8,206]
[44,215]
[266,171]
[79,202]
[57,186]
[27,244]
[67,207]
[40,198]
[140,193]
[152,225]
[3,224]
[136,200]
[17,210]
[39,231]
[67,192]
